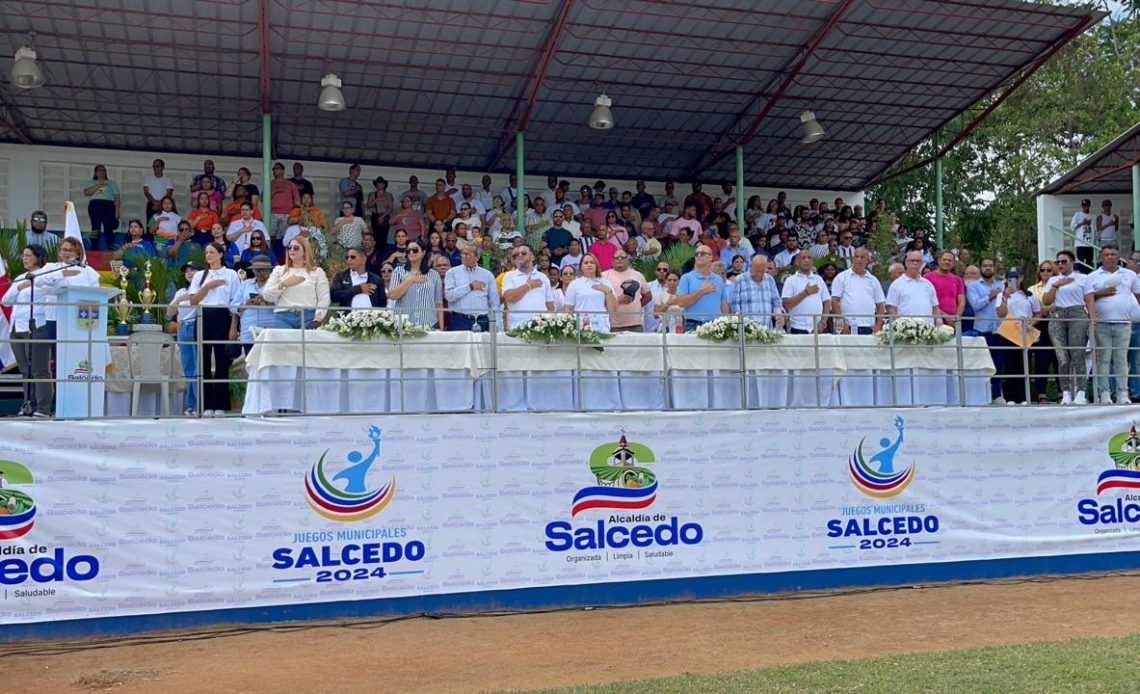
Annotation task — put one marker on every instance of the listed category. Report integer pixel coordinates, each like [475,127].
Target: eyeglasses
[295,248]
[39,219]
[621,257]
[1062,261]
[662,269]
[414,250]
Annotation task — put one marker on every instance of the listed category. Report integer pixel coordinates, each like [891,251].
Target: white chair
[144,355]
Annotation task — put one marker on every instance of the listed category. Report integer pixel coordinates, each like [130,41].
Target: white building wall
[1054,213]
[41,177]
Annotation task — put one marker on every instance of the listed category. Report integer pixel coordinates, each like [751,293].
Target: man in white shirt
[485,195]
[549,195]
[787,256]
[1081,227]
[574,257]
[510,195]
[241,228]
[912,295]
[156,186]
[857,298]
[467,196]
[1111,293]
[470,292]
[1107,225]
[804,297]
[526,291]
[355,287]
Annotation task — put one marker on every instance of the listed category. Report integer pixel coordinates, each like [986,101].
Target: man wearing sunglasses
[38,233]
[526,291]
[702,292]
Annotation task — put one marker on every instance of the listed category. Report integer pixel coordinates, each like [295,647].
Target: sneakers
[1080,398]
[1105,398]
[1066,398]
[999,400]
[1122,398]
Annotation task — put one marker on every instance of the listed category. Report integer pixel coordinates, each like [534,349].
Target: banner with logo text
[138,517]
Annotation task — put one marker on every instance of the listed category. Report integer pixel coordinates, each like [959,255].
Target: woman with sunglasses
[561,282]
[416,290]
[1069,326]
[299,288]
[385,277]
[213,290]
[257,246]
[1043,354]
[19,298]
[70,252]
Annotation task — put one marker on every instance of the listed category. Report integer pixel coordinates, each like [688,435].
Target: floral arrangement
[914,331]
[558,327]
[370,323]
[726,328]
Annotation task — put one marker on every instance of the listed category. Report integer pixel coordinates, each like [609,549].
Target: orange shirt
[316,217]
[440,209]
[202,218]
[234,210]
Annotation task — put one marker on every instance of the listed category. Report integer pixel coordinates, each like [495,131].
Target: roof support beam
[14,121]
[520,114]
[728,140]
[1068,187]
[263,53]
[885,174]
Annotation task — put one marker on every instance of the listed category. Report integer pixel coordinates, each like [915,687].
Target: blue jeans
[293,319]
[1112,355]
[1134,361]
[188,349]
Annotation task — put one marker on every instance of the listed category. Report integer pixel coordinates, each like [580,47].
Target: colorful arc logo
[355,502]
[877,484]
[17,509]
[622,484]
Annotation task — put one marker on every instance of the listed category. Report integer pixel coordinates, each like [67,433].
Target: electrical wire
[158,638]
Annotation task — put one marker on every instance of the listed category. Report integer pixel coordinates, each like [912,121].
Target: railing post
[496,321]
[961,363]
[743,361]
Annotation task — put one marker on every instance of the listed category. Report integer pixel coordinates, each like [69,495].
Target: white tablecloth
[449,372]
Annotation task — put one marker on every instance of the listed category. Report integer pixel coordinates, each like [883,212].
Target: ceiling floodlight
[26,74]
[331,98]
[602,118]
[813,131]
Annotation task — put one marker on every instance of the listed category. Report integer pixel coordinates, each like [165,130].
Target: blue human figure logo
[886,457]
[356,473]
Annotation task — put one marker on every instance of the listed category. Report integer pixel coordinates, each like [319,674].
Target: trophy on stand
[123,304]
[147,296]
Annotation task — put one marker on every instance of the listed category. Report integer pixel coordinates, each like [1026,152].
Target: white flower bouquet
[558,327]
[367,324]
[914,331]
[726,329]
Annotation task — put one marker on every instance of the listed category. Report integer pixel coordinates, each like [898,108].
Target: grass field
[1104,666]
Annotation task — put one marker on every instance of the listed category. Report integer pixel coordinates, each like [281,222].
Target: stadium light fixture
[812,130]
[331,99]
[26,74]
[602,118]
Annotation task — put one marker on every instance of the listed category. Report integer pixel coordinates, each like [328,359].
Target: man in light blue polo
[702,292]
[982,295]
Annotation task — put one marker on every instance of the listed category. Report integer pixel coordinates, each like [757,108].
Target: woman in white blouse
[592,295]
[299,289]
[213,290]
[19,297]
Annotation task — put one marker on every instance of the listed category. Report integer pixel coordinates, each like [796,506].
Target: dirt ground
[572,647]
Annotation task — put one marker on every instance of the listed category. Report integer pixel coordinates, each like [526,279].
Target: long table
[319,372]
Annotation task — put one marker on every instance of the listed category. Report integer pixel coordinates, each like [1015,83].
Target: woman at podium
[72,273]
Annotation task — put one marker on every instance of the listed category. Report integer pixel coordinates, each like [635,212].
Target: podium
[82,353]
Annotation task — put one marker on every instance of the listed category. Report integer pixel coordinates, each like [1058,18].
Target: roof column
[520,209]
[266,173]
[740,191]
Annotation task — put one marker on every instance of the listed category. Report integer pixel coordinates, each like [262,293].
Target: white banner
[141,517]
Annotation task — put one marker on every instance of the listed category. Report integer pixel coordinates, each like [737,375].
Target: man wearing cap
[38,233]
[912,295]
[251,308]
[633,294]
[355,287]
[1080,226]
[643,201]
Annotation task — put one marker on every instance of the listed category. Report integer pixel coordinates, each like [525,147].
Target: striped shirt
[757,300]
[420,301]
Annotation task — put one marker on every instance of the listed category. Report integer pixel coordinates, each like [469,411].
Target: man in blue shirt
[982,296]
[702,292]
[756,296]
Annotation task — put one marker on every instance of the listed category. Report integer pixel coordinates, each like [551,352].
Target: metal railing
[671,372]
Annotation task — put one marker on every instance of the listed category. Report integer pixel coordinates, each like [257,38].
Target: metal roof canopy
[449,82]
[1108,171]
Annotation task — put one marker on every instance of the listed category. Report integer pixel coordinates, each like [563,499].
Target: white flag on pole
[71,222]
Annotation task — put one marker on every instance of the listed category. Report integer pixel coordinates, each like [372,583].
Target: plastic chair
[146,347]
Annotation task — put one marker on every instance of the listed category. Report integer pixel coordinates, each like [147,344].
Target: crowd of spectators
[454,258]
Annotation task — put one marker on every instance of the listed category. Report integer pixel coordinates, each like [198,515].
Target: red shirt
[282,195]
[604,252]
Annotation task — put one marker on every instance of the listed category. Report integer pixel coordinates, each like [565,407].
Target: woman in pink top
[618,232]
